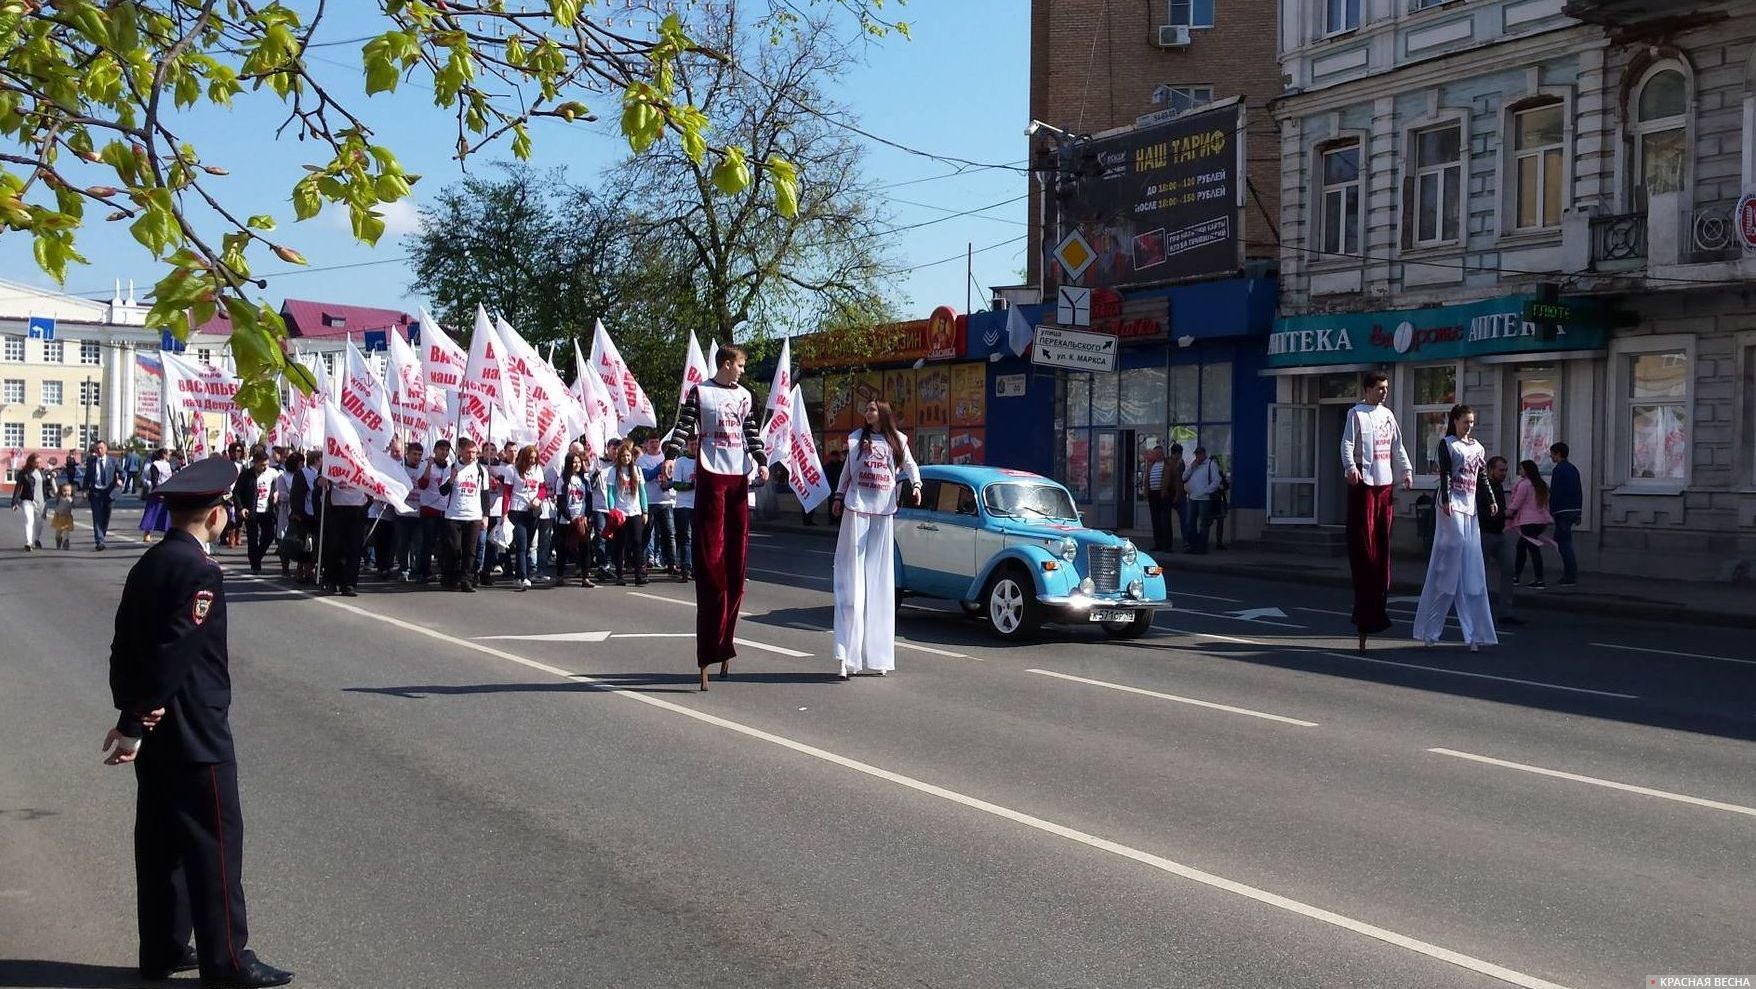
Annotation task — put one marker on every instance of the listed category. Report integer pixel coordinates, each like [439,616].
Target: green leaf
[381,75]
[785,176]
[261,221]
[306,202]
[732,175]
[368,225]
[520,142]
[565,11]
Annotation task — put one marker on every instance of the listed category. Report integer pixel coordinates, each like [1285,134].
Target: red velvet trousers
[722,544]
[1369,512]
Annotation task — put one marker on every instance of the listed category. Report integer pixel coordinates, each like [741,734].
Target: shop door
[1109,478]
[1145,438]
[1292,464]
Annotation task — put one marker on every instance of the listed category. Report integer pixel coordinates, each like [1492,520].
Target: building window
[53,352]
[1342,199]
[14,349]
[1540,181]
[52,393]
[12,391]
[88,393]
[1182,99]
[14,434]
[1660,133]
[1658,415]
[1438,184]
[204,356]
[1343,15]
[49,435]
[1192,13]
[88,437]
[1424,4]
[1435,392]
[90,352]
[1201,410]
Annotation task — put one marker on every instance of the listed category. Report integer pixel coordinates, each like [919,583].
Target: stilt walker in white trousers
[1456,574]
[865,551]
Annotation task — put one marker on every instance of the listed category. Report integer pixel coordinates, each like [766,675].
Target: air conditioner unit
[1173,36]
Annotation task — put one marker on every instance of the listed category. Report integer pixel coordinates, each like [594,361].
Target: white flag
[444,363]
[600,411]
[551,417]
[804,468]
[484,408]
[780,403]
[695,369]
[349,462]
[408,390]
[366,401]
[1018,332]
[633,408]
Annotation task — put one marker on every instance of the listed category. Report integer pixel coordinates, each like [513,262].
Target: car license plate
[1111,615]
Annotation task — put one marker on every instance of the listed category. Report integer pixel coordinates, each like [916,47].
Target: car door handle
[927,527]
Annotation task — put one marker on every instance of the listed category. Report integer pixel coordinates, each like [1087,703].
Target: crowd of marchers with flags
[465,466]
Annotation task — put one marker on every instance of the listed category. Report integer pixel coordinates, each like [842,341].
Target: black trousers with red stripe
[189,864]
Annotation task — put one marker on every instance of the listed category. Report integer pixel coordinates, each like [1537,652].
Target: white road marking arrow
[553,637]
[1252,614]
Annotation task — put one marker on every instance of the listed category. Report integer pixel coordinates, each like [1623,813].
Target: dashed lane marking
[1644,791]
[1180,700]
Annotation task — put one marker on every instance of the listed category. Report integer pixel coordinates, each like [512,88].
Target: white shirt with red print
[1467,460]
[1371,443]
[868,483]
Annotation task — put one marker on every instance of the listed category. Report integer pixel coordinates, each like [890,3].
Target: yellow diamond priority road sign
[1075,254]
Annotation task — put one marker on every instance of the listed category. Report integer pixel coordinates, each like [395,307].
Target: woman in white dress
[1456,574]
[865,552]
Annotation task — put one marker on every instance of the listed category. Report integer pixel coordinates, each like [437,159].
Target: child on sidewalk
[63,521]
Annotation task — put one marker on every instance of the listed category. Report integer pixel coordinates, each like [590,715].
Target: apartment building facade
[1444,165]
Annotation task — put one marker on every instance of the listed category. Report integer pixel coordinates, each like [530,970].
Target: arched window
[1661,122]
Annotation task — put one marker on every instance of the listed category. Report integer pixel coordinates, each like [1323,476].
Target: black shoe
[254,974]
[186,962]
[467,588]
[348,592]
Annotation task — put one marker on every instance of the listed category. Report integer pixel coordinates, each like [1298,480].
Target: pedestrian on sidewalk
[1372,455]
[1497,541]
[154,518]
[661,504]
[1179,503]
[1201,482]
[1566,505]
[865,549]
[1530,516]
[1455,572]
[1157,485]
[258,497]
[131,472]
[30,496]
[628,515]
[101,482]
[722,415]
[170,678]
[63,519]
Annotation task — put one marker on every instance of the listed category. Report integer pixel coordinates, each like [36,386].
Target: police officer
[170,679]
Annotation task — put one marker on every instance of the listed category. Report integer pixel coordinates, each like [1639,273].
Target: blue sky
[960,88]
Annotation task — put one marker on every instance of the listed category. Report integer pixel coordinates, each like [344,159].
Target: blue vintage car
[1009,547]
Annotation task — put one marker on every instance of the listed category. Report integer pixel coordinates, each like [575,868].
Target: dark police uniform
[169,652]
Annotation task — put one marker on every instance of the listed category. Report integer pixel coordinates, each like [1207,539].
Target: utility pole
[85,400]
[969,275]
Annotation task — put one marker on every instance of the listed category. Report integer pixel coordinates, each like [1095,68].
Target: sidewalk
[1696,602]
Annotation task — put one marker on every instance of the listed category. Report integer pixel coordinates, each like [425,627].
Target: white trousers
[33,520]
[865,593]
[1456,576]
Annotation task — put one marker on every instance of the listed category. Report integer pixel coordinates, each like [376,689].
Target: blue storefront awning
[1226,308]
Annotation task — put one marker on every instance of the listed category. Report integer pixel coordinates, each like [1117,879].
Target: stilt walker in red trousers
[720,413]
[1372,454]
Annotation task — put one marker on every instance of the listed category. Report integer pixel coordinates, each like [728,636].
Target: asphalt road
[435,796]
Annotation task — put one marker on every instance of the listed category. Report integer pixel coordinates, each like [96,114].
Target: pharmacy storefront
[1530,386]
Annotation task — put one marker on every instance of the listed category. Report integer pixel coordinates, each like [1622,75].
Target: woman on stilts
[720,414]
[1371,446]
[865,551]
[1456,572]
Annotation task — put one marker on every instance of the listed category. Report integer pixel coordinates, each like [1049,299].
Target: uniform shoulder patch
[203,604]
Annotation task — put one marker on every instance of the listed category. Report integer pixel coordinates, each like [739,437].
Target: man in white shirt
[464,489]
[1201,480]
[682,485]
[1372,455]
[661,503]
[408,516]
[432,500]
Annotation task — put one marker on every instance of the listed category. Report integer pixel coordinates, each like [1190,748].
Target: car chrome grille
[1106,568]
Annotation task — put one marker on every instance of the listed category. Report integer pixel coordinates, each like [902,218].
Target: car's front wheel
[1010,605]
[1133,628]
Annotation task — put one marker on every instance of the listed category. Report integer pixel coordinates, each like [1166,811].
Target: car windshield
[1048,501]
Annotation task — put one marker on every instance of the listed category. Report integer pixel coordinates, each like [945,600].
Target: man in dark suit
[101,482]
[170,678]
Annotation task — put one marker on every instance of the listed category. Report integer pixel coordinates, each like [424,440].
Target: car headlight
[1087,586]
[1137,588]
[1069,550]
[1130,553]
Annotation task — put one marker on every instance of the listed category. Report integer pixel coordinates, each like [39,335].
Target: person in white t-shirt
[661,505]
[465,490]
[682,483]
[865,550]
[1371,449]
[573,517]
[526,488]
[431,502]
[259,486]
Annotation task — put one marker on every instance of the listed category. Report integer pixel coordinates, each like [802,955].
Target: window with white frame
[89,393]
[1657,415]
[12,391]
[90,352]
[1182,99]
[12,434]
[1341,15]
[12,348]
[204,355]
[49,435]
[1539,179]
[1192,13]
[52,393]
[1434,392]
[1661,128]
[1342,199]
[53,352]
[88,437]
[1438,183]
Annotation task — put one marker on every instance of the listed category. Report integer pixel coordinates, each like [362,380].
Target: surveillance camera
[1031,131]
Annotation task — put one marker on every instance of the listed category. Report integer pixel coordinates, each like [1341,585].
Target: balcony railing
[1713,233]
[1618,241]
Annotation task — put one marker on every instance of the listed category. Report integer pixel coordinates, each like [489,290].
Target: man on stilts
[1371,447]
[721,415]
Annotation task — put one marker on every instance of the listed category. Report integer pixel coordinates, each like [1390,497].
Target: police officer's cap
[202,484]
